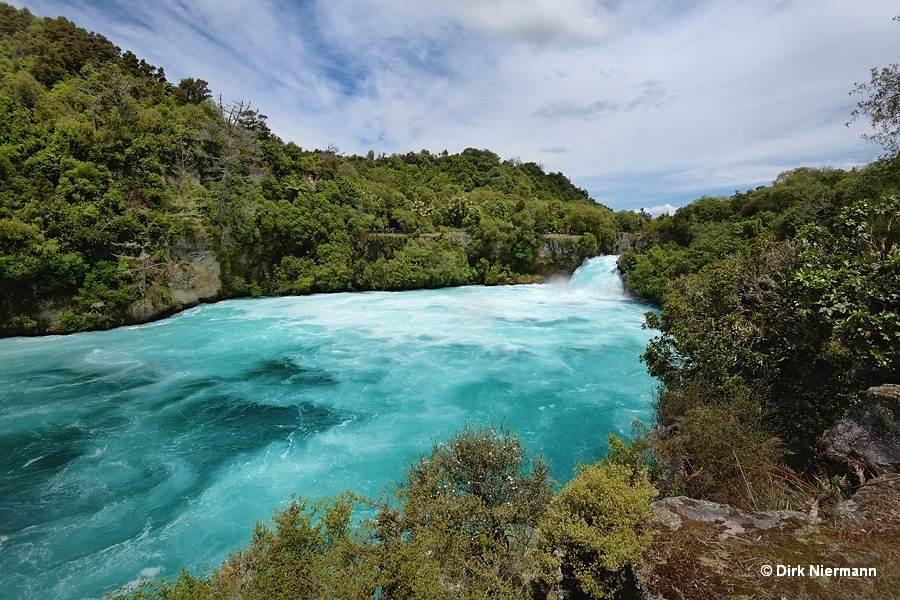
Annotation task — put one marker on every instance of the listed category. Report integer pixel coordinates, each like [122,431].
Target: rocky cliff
[559,254]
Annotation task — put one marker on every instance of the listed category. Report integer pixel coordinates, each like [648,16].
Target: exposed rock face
[559,255]
[705,550]
[144,309]
[627,241]
[194,275]
[48,313]
[700,549]
[624,243]
[867,441]
[730,521]
[461,238]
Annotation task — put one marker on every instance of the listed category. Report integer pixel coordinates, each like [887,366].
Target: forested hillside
[779,305]
[115,184]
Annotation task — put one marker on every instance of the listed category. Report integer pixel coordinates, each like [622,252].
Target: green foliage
[636,454]
[476,517]
[803,324]
[849,279]
[778,306]
[306,551]
[466,515]
[588,245]
[420,263]
[719,447]
[592,531]
[294,275]
[193,91]
[102,161]
[649,272]
[599,223]
[629,221]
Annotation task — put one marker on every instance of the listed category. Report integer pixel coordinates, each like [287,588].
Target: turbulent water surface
[125,454]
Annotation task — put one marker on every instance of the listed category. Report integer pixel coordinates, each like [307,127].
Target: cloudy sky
[641,102]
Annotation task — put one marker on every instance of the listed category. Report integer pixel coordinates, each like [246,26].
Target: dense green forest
[111,176]
[779,305]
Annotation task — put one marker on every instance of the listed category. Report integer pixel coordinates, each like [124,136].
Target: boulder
[867,441]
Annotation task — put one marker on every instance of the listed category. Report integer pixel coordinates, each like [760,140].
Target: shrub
[591,532]
[466,517]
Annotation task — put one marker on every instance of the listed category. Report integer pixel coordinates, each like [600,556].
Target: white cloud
[655,211]
[566,23]
[555,150]
[652,95]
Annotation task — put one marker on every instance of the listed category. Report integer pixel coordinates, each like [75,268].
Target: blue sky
[642,102]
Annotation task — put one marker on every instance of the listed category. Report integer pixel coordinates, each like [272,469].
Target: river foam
[132,452]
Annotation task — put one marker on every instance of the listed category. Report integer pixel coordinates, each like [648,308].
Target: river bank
[191,275]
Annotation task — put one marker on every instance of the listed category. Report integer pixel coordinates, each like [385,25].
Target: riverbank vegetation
[111,175]
[779,306]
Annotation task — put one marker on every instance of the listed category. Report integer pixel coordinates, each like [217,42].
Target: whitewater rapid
[129,453]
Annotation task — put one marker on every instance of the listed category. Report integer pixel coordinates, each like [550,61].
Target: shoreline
[170,311]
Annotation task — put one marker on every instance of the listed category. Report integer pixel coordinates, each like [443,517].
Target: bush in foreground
[474,518]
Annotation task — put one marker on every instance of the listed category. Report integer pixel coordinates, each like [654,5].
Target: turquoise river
[126,454]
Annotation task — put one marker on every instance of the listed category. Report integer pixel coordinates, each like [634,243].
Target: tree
[111,105]
[192,91]
[882,106]
[238,143]
[596,220]
[587,245]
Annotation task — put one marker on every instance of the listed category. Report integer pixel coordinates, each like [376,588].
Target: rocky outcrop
[730,522]
[193,276]
[866,443]
[559,254]
[48,313]
[628,241]
[702,549]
